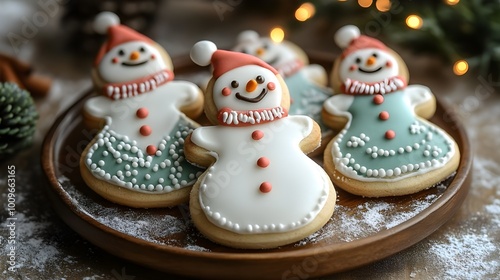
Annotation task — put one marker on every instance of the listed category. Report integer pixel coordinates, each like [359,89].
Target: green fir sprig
[18,117]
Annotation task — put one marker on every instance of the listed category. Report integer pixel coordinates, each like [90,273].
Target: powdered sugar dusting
[158,226]
[348,224]
[29,234]
[42,242]
[493,209]
[466,256]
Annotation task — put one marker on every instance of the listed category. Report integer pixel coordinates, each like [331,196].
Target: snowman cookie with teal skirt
[385,147]
[306,82]
[142,117]
[260,190]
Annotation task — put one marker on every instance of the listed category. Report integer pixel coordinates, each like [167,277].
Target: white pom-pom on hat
[201,53]
[248,36]
[104,20]
[344,36]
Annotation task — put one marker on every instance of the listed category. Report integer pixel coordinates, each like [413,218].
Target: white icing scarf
[388,85]
[289,68]
[230,117]
[117,91]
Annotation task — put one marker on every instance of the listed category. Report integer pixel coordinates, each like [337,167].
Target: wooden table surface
[466,247]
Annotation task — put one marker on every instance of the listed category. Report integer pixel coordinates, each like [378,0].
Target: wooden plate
[361,230]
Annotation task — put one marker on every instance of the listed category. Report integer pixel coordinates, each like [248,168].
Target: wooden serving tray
[361,231]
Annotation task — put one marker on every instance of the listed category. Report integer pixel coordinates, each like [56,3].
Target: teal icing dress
[307,97]
[385,140]
[114,158]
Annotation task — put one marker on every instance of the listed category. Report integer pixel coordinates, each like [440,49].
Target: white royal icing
[112,68]
[352,64]
[229,192]
[271,99]
[162,103]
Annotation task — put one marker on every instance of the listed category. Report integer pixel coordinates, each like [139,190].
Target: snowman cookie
[260,189]
[386,147]
[143,117]
[306,82]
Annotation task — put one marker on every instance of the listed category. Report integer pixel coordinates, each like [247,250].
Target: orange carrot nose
[260,51]
[370,61]
[134,55]
[251,85]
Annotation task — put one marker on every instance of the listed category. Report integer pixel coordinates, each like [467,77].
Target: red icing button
[257,134]
[142,113]
[378,99]
[151,150]
[263,162]
[145,130]
[384,115]
[390,134]
[265,187]
[226,91]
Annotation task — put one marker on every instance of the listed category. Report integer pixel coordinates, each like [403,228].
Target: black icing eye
[266,46]
[375,55]
[121,52]
[260,79]
[142,49]
[234,84]
[358,60]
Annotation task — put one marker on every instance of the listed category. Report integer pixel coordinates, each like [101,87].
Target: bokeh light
[451,2]
[365,3]
[383,5]
[460,67]
[305,11]
[277,34]
[414,21]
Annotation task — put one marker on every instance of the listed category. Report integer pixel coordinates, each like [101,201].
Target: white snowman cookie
[306,82]
[385,146]
[137,158]
[260,189]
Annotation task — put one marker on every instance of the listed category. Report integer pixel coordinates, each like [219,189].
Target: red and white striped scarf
[117,91]
[388,85]
[229,117]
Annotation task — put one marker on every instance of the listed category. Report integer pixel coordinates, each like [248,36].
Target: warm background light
[383,5]
[460,67]
[414,21]
[365,3]
[451,2]
[277,34]
[305,12]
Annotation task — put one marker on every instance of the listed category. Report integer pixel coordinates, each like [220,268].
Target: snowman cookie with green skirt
[142,117]
[385,147]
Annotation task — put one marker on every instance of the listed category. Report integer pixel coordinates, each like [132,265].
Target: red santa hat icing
[205,52]
[349,38]
[109,23]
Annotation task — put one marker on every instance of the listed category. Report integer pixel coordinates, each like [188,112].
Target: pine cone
[18,118]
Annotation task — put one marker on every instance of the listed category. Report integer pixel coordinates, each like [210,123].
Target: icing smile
[369,71]
[252,100]
[134,64]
